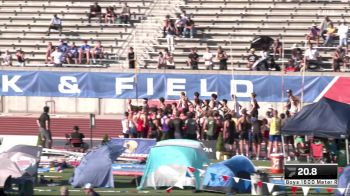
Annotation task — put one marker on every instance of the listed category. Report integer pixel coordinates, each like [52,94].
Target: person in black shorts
[193,59]
[243,127]
[43,123]
[257,136]
[229,131]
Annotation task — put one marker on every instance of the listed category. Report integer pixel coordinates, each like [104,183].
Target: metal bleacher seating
[24,24]
[233,24]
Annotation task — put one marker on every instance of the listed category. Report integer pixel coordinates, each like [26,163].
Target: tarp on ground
[96,167]
[343,182]
[19,160]
[238,166]
[326,118]
[168,162]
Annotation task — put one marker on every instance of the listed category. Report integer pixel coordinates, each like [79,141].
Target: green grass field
[125,186]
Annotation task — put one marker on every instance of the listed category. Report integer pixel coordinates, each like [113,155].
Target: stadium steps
[60,126]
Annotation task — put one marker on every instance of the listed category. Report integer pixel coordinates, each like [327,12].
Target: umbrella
[261,42]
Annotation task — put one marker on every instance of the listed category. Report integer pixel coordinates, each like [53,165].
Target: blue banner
[128,85]
[135,147]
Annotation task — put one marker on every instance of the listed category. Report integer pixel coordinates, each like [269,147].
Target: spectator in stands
[169,59]
[180,25]
[50,48]
[329,35]
[6,59]
[294,63]
[222,57]
[95,11]
[170,34]
[72,54]
[56,24]
[20,55]
[131,58]
[125,13]
[277,48]
[97,52]
[89,191]
[63,47]
[44,124]
[84,51]
[275,134]
[343,31]
[293,103]
[57,57]
[161,61]
[312,58]
[339,56]
[193,59]
[208,59]
[110,15]
[166,24]
[314,34]
[252,58]
[189,28]
[125,125]
[324,25]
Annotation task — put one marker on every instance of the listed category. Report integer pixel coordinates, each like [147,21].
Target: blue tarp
[237,166]
[344,180]
[96,167]
[326,118]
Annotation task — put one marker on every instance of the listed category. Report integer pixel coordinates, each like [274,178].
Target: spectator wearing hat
[89,191]
[314,34]
[252,58]
[56,24]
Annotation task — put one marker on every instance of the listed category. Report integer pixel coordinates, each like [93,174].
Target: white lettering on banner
[150,90]
[121,84]
[175,86]
[204,87]
[248,84]
[6,83]
[68,85]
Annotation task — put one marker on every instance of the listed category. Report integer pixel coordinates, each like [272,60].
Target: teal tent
[168,163]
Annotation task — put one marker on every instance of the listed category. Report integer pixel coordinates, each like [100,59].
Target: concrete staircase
[146,33]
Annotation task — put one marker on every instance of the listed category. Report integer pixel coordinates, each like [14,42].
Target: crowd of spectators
[243,130]
[110,15]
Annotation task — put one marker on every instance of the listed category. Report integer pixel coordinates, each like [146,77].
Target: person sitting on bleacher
[329,35]
[339,56]
[161,61]
[56,24]
[63,46]
[314,34]
[324,25]
[76,138]
[57,57]
[277,48]
[95,11]
[125,14]
[312,57]
[169,59]
[84,50]
[72,54]
[110,15]
[180,24]
[6,59]
[295,60]
[97,51]
[189,28]
[50,48]
[20,57]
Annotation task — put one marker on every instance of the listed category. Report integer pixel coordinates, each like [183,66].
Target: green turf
[125,186]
